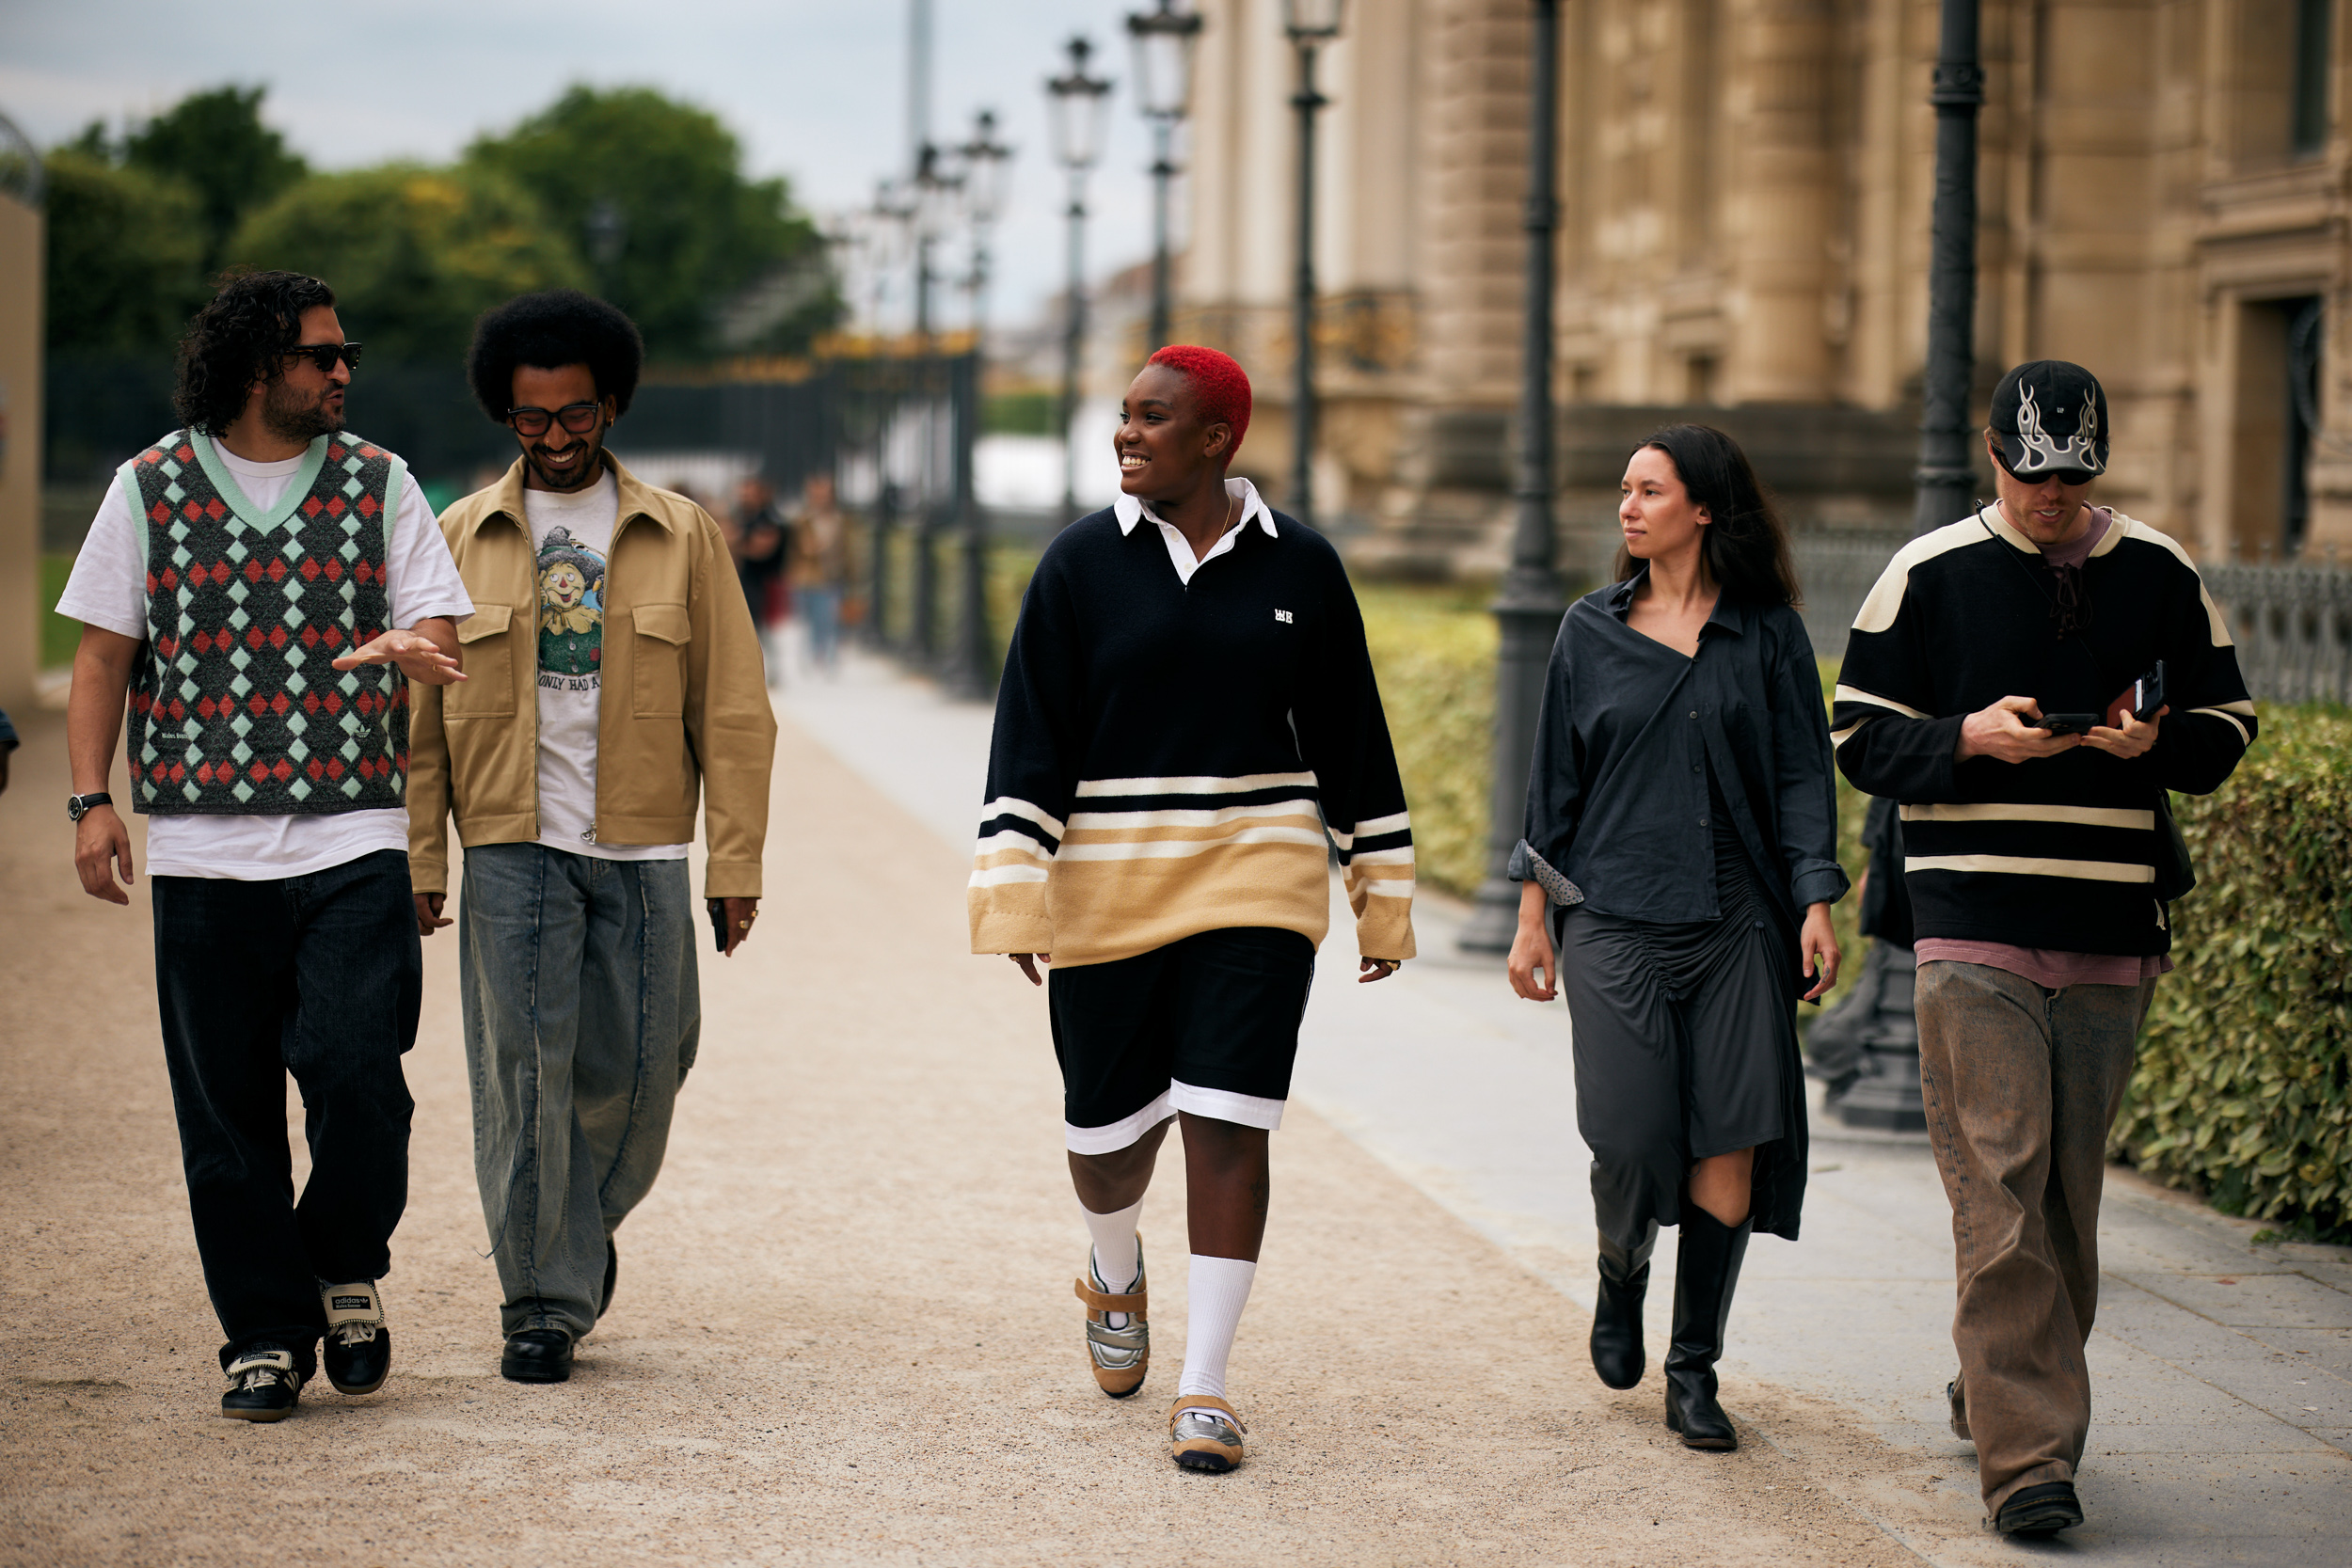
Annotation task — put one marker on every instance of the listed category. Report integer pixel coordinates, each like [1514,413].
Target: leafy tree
[125,254]
[214,144]
[653,193]
[413,254]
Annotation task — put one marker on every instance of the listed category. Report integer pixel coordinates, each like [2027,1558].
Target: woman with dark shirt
[1678,868]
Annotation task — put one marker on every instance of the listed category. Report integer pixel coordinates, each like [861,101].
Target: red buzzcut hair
[1218,382]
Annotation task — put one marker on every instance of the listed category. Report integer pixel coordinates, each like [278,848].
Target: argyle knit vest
[236,709]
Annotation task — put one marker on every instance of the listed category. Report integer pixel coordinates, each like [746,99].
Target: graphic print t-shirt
[572,536]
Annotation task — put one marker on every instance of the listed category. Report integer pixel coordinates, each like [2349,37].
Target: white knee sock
[1220,1289]
[1114,1237]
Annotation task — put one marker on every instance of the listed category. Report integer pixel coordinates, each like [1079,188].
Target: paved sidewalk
[843,1332]
[2222,1369]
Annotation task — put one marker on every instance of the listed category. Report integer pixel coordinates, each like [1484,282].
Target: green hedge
[2244,1087]
[1432,651]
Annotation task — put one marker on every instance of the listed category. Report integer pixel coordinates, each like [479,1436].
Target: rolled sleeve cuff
[1818,882]
[1528,866]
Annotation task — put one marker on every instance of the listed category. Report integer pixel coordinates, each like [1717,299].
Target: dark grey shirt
[1618,811]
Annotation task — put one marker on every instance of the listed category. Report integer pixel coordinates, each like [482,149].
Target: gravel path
[843,1330]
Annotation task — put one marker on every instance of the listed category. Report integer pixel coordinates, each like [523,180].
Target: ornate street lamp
[1076,101]
[1164,43]
[1309,24]
[984,160]
[938,184]
[972,668]
[1528,610]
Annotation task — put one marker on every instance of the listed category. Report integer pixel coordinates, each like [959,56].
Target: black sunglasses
[324,355]
[579,418]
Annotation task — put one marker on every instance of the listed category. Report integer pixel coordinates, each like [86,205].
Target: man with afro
[615,677]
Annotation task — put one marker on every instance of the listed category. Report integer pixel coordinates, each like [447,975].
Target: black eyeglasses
[324,355]
[579,418]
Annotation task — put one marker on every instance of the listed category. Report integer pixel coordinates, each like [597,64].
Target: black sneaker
[262,1386]
[358,1354]
[2042,1510]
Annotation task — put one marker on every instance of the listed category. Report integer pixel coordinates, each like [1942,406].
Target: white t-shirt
[108,590]
[572,536]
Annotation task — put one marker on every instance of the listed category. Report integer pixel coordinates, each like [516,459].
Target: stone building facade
[1746,184]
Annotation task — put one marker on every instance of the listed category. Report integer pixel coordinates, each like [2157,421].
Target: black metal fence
[2292,624]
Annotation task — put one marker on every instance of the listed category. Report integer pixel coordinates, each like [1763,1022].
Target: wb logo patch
[1283,616]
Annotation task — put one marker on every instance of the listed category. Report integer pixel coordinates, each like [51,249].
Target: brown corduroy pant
[2021,1084]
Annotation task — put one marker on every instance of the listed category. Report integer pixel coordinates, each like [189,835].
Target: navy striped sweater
[2058,852]
[1167,757]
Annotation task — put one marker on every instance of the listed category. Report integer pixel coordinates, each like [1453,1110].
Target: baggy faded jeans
[2021,1084]
[581,1013]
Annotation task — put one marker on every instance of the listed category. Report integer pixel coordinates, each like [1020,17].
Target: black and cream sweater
[1167,756]
[2058,852]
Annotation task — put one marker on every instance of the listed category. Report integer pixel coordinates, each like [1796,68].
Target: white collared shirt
[1131,510]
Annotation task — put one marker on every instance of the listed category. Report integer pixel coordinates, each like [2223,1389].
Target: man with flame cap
[2027,683]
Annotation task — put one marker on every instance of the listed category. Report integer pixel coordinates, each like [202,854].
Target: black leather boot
[1707,1269]
[1617,1311]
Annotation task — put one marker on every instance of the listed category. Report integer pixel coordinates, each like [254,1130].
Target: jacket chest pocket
[485,643]
[660,681]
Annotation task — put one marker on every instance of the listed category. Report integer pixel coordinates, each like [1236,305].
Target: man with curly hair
[615,676]
[262,587]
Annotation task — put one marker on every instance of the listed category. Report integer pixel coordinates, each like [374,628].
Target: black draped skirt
[1686,1047]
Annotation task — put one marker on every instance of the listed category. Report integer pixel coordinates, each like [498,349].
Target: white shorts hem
[1243,1110]
[1113,1136]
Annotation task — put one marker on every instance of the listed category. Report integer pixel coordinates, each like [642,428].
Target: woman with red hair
[1187,728]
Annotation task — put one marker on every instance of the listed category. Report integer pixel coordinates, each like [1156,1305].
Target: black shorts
[1207,1024]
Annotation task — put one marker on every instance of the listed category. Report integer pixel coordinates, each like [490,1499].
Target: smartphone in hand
[718,922]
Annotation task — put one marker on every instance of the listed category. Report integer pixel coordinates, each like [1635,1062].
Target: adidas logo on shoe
[358,1354]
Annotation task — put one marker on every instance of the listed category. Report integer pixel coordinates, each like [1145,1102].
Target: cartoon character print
[571,606]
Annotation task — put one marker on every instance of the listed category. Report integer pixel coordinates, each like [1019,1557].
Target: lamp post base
[1494,917]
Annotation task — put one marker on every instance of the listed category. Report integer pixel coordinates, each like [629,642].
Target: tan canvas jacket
[685,695]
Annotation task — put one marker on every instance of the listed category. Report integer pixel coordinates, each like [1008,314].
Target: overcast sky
[817,89]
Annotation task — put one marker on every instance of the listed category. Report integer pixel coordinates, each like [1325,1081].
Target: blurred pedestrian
[820,571]
[8,742]
[232,567]
[761,542]
[1679,866]
[577,926]
[1187,687]
[2007,682]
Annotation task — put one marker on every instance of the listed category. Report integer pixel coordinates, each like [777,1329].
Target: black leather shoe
[537,1355]
[262,1385]
[1706,1271]
[611,1275]
[2042,1510]
[1617,1353]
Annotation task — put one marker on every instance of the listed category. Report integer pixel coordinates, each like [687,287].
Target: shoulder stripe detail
[1855,694]
[1006,805]
[1877,611]
[2031,865]
[1994,811]
[2226,716]
[1205,784]
[2132,528]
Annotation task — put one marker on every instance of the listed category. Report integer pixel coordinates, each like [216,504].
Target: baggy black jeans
[318,976]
